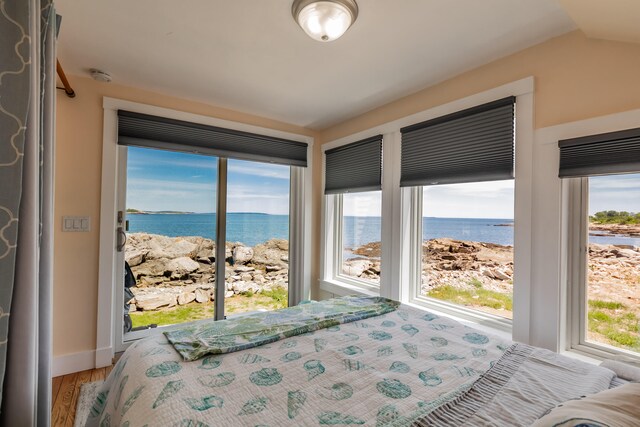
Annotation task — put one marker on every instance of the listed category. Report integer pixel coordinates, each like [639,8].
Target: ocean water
[254,228]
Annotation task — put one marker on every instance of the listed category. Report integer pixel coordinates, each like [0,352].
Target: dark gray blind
[143,130]
[607,153]
[472,145]
[354,167]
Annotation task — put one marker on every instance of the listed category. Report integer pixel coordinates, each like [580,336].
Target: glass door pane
[170,246]
[257,234]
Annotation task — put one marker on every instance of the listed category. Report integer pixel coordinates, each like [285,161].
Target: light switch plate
[76,223]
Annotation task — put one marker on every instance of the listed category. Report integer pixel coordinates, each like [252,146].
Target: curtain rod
[67,86]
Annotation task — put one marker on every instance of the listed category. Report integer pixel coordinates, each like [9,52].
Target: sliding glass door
[169,241]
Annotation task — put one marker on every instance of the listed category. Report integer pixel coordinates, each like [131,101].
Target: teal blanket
[241,333]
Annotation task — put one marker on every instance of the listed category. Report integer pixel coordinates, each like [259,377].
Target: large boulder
[242,287]
[355,267]
[182,266]
[186,298]
[242,254]
[135,256]
[155,301]
[151,268]
[202,295]
[274,252]
[158,246]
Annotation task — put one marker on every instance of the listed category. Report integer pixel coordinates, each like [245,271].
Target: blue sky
[165,180]
[614,192]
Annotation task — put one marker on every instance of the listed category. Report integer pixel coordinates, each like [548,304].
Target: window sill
[475,318]
[477,322]
[341,288]
[496,327]
[600,353]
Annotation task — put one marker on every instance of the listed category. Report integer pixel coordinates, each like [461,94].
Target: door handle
[121,239]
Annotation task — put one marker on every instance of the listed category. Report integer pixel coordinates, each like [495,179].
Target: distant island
[615,217]
[141,212]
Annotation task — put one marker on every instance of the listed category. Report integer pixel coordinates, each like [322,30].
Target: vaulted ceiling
[251,56]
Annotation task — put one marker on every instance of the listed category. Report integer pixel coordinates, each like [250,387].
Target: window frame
[338,249]
[577,241]
[109,338]
[459,311]
[398,263]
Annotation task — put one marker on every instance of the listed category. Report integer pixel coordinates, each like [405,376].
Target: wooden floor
[65,392]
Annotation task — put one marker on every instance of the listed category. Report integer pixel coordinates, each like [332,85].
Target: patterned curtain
[27,105]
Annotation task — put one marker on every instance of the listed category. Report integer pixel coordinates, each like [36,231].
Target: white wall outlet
[76,223]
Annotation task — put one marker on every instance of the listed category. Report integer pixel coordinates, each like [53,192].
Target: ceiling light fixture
[324,20]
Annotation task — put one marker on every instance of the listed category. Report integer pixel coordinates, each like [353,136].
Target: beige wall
[575,78]
[77,192]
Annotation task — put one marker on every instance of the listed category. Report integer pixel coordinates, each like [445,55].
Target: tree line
[615,217]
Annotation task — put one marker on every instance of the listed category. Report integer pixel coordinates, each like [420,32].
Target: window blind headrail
[473,111]
[352,146]
[354,167]
[602,137]
[159,132]
[602,154]
[476,144]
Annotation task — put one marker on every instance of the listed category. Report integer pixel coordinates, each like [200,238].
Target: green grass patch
[613,323]
[475,298]
[172,316]
[475,283]
[247,302]
[608,305]
[278,295]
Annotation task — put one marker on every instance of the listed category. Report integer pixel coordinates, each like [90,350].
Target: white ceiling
[250,55]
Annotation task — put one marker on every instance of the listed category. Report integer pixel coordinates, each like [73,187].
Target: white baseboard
[104,357]
[73,362]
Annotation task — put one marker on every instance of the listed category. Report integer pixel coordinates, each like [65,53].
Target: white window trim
[577,274]
[397,266]
[365,286]
[108,340]
[560,318]
[415,284]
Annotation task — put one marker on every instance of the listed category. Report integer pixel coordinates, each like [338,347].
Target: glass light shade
[325,21]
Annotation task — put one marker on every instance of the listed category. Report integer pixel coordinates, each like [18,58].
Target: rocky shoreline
[172,271]
[625,230]
[614,270]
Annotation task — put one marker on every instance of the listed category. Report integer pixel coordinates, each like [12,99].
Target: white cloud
[494,199]
[362,204]
[197,162]
[614,192]
[157,195]
[264,170]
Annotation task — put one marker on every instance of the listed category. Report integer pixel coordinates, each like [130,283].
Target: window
[611,304]
[603,178]
[359,257]
[467,245]
[353,242]
[462,168]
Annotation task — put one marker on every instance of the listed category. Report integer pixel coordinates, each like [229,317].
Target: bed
[346,361]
